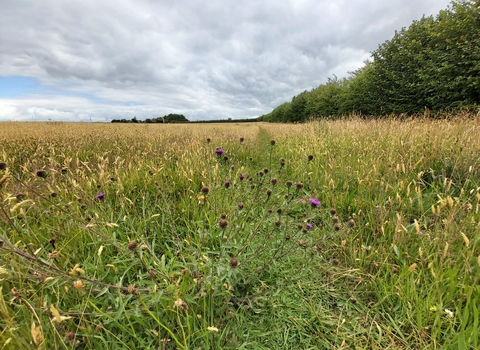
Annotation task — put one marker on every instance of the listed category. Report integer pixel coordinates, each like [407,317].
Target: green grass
[392,260]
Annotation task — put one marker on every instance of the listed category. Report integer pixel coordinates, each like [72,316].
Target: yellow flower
[78,284]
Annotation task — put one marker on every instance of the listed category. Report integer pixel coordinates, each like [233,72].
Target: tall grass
[167,236]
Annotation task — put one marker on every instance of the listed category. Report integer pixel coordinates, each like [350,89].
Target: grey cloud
[203,59]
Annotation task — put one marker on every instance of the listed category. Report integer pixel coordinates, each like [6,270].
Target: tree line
[170,118]
[432,66]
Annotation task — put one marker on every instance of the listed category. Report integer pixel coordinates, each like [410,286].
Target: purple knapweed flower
[100,196]
[314,202]
[308,226]
[219,152]
[241,177]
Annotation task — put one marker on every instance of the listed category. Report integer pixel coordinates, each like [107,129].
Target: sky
[98,60]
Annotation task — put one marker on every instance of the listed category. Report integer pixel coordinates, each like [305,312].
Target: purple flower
[100,196]
[308,226]
[314,202]
[241,177]
[219,152]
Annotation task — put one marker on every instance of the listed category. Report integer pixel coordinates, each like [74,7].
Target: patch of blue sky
[22,86]
[18,86]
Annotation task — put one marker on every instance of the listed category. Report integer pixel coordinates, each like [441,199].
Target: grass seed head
[70,336]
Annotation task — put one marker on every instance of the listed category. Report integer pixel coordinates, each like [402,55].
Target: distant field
[330,234]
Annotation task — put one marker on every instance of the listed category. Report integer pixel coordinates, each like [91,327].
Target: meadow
[346,234]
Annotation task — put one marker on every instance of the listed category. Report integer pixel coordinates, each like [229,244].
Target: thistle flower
[223,224]
[333,212]
[310,157]
[289,183]
[208,140]
[100,196]
[205,190]
[219,152]
[64,170]
[240,206]
[308,226]
[299,185]
[272,142]
[132,246]
[273,181]
[282,163]
[3,166]
[42,173]
[227,183]
[233,263]
[314,202]
[241,139]
[241,177]
[351,223]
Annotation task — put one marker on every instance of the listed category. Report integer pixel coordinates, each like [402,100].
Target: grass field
[326,235]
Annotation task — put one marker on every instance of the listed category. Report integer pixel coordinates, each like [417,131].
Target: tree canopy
[433,64]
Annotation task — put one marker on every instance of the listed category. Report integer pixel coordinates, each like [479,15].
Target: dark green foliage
[431,65]
[171,118]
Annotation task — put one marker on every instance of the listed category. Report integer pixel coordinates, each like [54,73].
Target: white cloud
[207,60]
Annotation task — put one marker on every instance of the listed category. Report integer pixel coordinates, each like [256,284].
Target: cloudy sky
[97,60]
